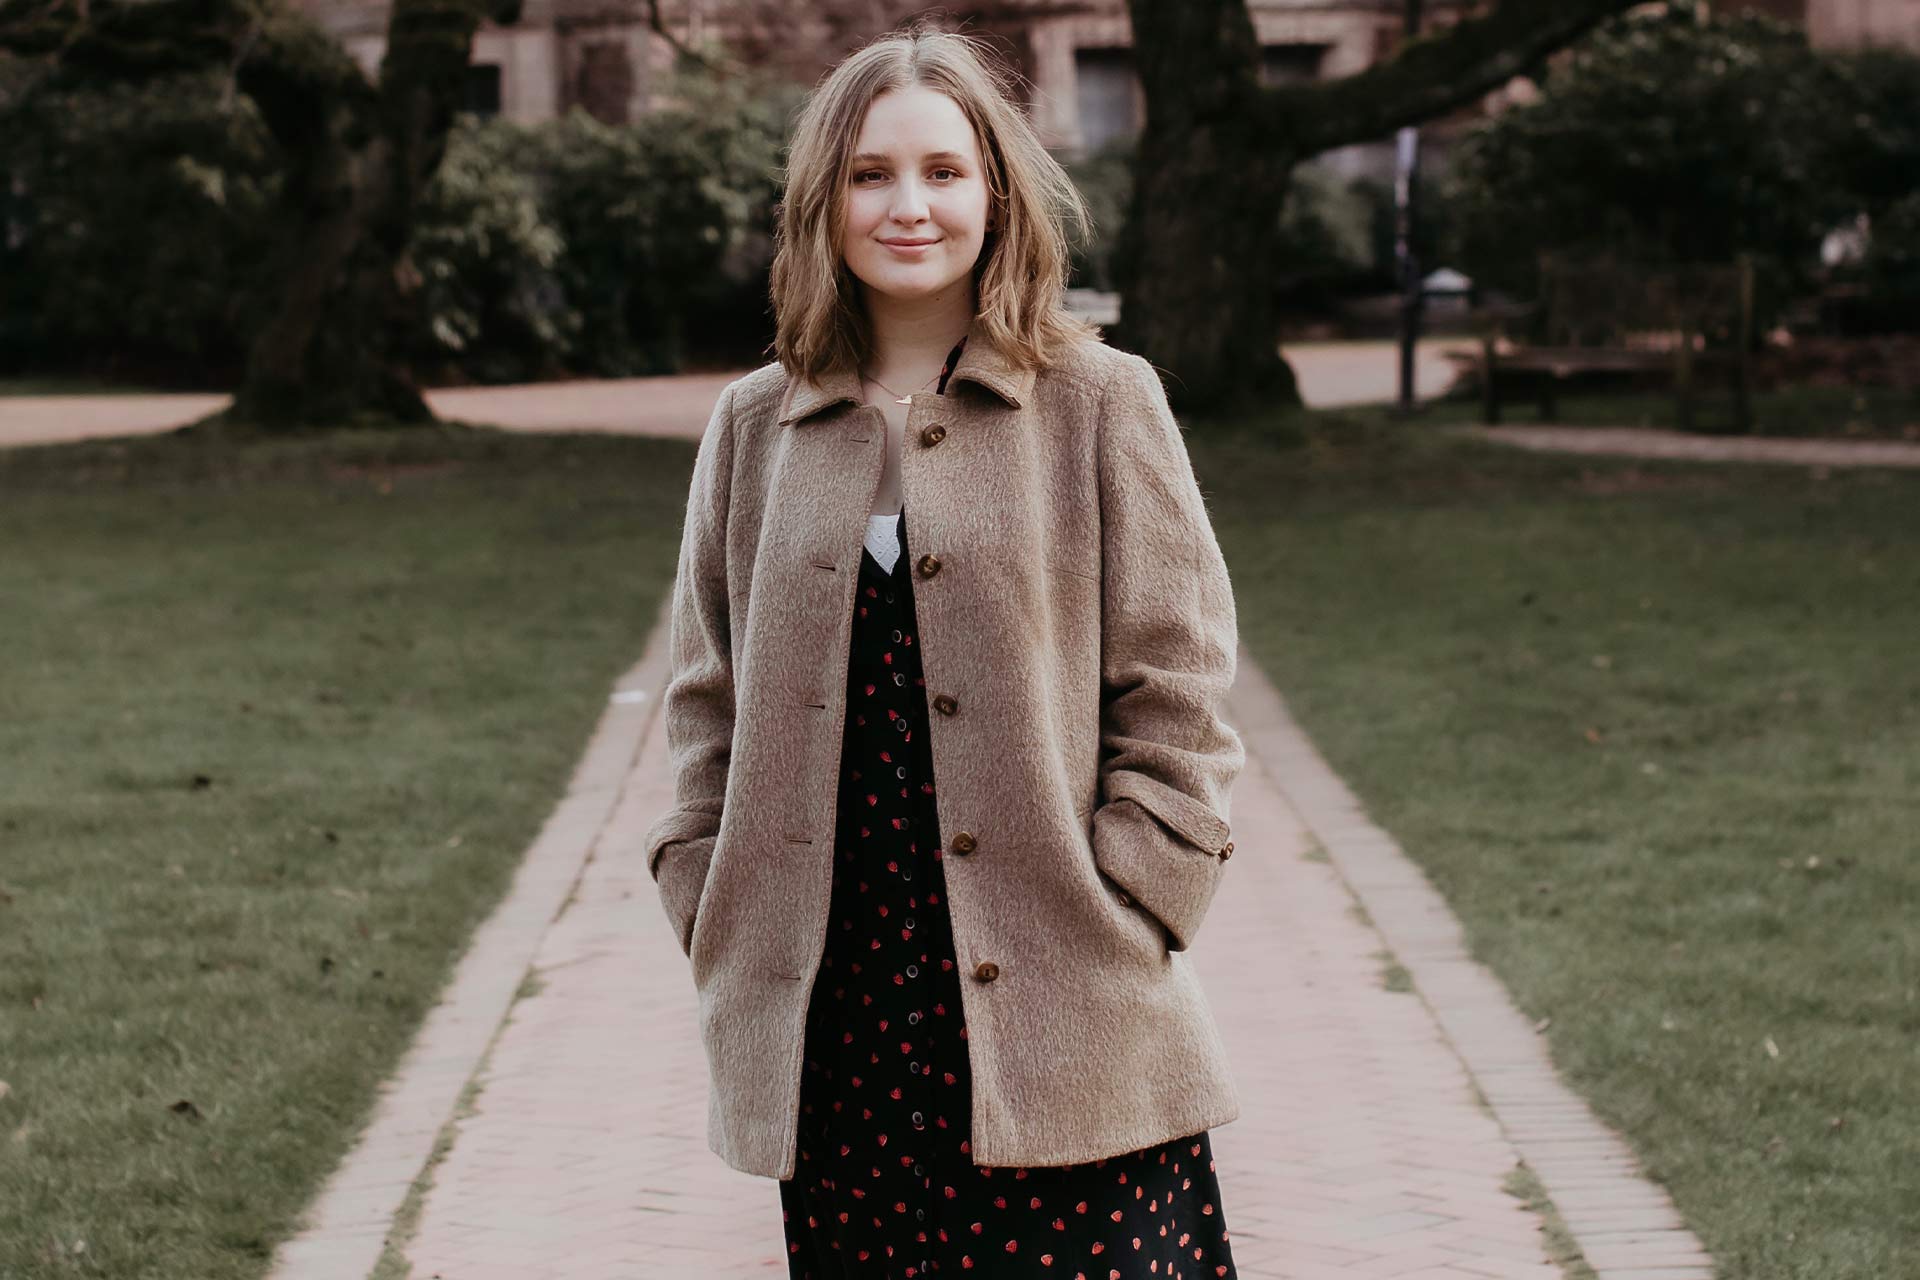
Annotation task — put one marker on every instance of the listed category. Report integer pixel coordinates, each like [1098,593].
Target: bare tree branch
[657,22]
[1431,75]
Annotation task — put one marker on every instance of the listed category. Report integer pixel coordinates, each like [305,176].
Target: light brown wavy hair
[1020,281]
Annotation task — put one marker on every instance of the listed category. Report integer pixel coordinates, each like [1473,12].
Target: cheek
[856,214]
[962,217]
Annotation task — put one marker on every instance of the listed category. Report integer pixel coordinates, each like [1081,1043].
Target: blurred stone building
[602,56]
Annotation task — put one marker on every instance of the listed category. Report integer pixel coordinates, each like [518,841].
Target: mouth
[908,244]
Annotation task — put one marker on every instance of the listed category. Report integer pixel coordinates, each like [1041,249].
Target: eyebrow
[874,157]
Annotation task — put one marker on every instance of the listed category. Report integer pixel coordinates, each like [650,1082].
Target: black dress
[884,1185]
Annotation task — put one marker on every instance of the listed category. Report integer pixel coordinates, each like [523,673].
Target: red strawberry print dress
[884,1185]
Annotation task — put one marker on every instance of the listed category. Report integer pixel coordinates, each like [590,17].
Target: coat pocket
[1132,919]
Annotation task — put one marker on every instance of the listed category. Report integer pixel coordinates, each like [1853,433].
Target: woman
[962,1034]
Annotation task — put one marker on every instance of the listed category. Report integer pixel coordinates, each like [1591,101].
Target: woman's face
[916,207]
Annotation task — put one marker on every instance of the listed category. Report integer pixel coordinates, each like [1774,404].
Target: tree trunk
[1196,261]
[340,347]
[1196,271]
[337,347]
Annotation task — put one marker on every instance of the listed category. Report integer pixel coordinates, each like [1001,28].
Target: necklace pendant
[906,400]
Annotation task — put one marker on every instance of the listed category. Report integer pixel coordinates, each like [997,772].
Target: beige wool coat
[1077,633]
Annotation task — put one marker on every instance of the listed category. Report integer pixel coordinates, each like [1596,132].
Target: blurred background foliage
[1666,139]
[136,219]
[132,226]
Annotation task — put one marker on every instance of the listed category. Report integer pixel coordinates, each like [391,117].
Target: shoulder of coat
[756,398]
[1090,369]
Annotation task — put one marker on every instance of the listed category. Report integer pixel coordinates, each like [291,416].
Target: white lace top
[883,538]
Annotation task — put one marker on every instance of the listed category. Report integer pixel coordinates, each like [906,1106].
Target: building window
[604,83]
[1290,63]
[483,89]
[1106,90]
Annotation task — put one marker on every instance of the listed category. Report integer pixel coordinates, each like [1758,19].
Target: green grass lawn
[276,732]
[1860,413]
[279,721]
[1654,730]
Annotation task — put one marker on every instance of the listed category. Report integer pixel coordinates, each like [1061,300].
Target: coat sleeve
[1167,654]
[698,703]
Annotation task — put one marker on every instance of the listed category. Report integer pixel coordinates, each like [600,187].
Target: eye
[943,169]
[870,173]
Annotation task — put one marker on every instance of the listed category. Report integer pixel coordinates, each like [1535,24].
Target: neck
[912,336]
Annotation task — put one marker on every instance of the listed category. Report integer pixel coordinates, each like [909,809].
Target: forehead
[915,123]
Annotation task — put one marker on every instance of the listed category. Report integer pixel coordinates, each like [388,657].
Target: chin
[911,287]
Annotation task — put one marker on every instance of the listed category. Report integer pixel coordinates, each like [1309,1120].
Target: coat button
[929,565]
[963,842]
[986,971]
[1125,901]
[946,704]
[933,434]
[1227,852]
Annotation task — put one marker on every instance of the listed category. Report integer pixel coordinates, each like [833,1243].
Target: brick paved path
[1362,1150]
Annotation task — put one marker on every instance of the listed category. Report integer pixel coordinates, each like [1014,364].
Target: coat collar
[981,361]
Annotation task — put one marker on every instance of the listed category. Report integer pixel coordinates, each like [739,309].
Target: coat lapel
[982,362]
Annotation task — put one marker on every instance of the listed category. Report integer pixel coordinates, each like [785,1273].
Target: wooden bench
[1601,315]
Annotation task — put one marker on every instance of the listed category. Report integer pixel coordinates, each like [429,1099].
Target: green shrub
[1880,161]
[1104,179]
[496,309]
[1666,137]
[138,223]
[135,220]
[606,250]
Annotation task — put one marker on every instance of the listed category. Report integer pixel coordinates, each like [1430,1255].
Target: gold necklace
[908,398]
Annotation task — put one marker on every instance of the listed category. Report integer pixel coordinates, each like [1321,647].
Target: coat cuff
[1158,866]
[679,849]
[682,878]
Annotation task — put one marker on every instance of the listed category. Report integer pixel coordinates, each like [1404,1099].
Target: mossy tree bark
[1195,260]
[358,157]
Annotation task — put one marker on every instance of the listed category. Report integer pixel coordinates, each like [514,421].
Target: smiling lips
[908,244]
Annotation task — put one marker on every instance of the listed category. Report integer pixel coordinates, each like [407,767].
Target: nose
[909,203]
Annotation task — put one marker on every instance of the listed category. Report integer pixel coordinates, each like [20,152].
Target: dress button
[933,434]
[986,971]
[900,677]
[913,971]
[919,1170]
[899,771]
[907,874]
[913,1018]
[946,704]
[889,597]
[929,565]
[919,1121]
[909,922]
[901,724]
[963,842]
[896,633]
[920,1214]
[914,1067]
